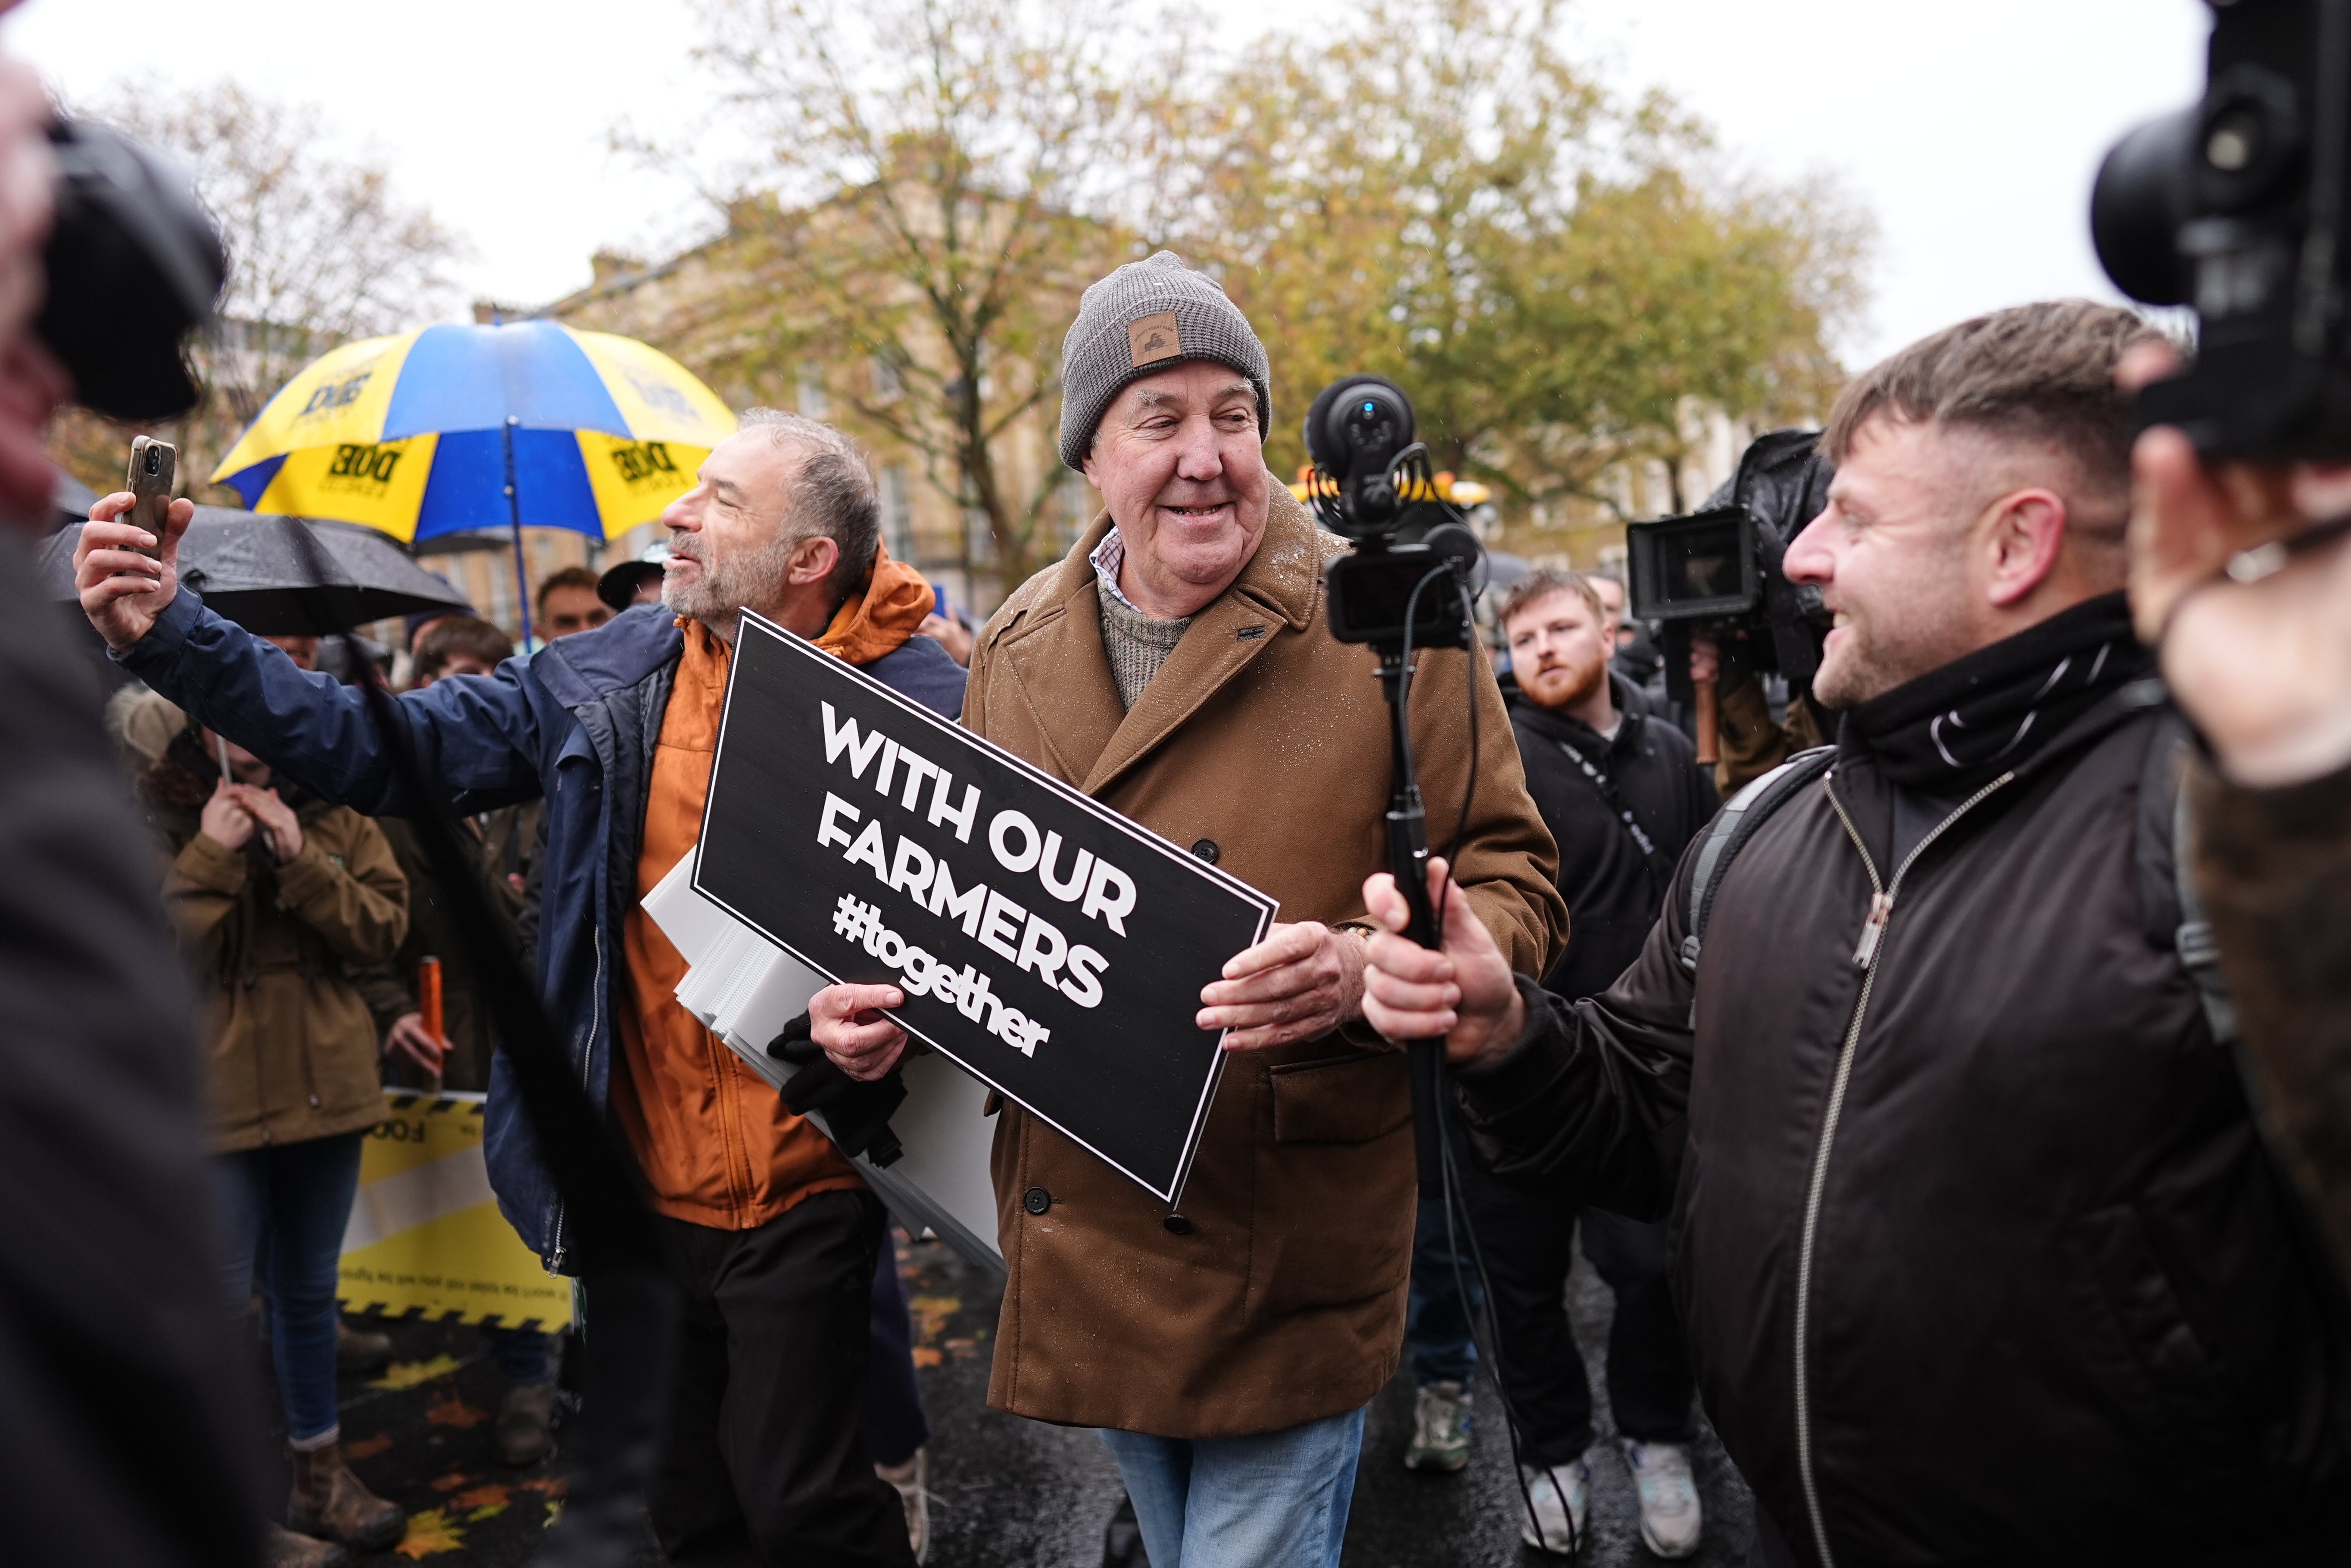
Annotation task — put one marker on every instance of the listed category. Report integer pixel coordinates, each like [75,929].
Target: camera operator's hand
[225,820]
[2262,666]
[846,1021]
[1705,659]
[408,1037]
[1302,980]
[1464,994]
[122,590]
[276,817]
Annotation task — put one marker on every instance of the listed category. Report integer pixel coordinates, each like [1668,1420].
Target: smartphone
[154,465]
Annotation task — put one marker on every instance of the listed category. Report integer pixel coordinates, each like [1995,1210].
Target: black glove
[857,1113]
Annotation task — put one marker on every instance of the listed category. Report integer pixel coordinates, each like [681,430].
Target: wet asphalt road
[1009,1493]
[1016,1492]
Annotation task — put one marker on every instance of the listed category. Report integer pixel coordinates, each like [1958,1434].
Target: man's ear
[812,560]
[2025,536]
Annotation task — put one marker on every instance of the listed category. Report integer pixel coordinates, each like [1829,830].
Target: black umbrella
[247,567]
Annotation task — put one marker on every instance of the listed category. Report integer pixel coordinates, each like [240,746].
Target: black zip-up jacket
[1981,1257]
[1608,880]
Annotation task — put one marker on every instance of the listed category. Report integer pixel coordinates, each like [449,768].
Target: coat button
[1177,1225]
[1206,849]
[1036,1201]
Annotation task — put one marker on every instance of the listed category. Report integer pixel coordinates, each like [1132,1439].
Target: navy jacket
[576,722]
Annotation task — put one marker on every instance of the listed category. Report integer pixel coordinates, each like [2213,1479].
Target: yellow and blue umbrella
[456,429]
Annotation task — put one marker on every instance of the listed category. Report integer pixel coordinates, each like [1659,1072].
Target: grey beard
[729,585]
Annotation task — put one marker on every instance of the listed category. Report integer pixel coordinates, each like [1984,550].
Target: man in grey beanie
[1176,666]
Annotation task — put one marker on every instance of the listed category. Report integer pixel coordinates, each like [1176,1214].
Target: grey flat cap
[1143,318]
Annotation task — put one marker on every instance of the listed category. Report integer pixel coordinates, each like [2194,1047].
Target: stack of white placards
[745,989]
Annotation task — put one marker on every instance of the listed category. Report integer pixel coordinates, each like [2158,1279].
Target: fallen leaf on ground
[449,1410]
[553,1486]
[931,1315]
[923,1355]
[962,1348]
[554,1512]
[429,1533]
[367,1448]
[490,1496]
[409,1373]
[451,1482]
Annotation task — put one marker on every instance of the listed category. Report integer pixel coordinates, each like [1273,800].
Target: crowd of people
[1947,1079]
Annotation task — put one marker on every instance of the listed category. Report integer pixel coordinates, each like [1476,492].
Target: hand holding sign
[847,1021]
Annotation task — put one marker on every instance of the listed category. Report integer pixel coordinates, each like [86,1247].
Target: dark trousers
[1526,1241]
[895,1423]
[766,1463]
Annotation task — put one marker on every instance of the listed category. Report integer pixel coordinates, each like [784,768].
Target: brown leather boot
[281,1548]
[333,1504]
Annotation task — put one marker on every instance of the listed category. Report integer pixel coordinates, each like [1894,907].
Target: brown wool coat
[1261,733]
[289,1046]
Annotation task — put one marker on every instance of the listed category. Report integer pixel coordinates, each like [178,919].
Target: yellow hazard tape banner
[425,1234]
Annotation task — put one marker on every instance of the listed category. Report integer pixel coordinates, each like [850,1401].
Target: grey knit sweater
[1137,645]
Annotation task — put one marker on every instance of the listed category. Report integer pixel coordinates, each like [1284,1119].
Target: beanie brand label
[1154,338]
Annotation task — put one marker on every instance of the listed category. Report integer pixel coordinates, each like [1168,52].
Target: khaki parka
[1262,744]
[290,1049]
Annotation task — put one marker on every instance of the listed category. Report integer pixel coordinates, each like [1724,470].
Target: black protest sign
[1046,944]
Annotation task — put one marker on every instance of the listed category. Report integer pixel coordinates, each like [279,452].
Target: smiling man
[1178,667]
[1982,1255]
[771,1235]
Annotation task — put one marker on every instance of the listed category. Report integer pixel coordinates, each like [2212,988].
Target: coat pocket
[2173,1360]
[1341,1099]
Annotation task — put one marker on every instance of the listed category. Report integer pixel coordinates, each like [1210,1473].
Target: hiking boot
[526,1429]
[912,1480]
[281,1548]
[1440,1428]
[1670,1520]
[1560,1496]
[333,1504]
[357,1350]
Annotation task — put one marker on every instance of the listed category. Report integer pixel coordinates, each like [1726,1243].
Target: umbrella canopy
[422,434]
[249,570]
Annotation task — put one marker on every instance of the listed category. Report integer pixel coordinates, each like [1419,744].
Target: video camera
[135,266]
[1717,571]
[1414,555]
[2236,207]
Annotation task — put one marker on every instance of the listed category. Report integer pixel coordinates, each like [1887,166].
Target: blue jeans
[286,1206]
[1437,1332]
[1274,1499]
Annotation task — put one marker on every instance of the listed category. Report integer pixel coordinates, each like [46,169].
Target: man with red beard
[1622,794]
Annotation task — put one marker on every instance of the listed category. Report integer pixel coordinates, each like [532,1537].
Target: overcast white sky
[1969,131]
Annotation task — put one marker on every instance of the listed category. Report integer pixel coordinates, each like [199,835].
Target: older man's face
[1177,461]
[728,548]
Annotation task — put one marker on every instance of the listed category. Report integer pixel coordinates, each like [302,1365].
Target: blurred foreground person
[1176,666]
[279,896]
[126,1436]
[1982,1255]
[770,1233]
[2241,578]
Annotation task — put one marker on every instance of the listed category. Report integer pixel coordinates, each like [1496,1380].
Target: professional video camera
[135,266]
[2236,207]
[1716,572]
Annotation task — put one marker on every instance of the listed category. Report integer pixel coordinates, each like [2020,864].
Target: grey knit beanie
[1143,318]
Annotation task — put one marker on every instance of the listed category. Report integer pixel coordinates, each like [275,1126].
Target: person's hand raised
[122,591]
[1463,994]
[276,819]
[2251,618]
[225,820]
[1303,980]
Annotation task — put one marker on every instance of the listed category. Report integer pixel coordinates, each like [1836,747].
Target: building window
[813,403]
[898,512]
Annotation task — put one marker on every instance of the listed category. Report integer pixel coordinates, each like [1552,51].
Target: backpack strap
[1732,826]
[2165,849]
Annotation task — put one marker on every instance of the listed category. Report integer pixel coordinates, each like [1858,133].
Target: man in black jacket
[1982,1256]
[1622,794]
